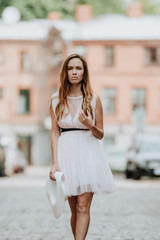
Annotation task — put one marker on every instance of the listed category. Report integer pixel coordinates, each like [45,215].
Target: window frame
[148,61]
[111,61]
[27,111]
[105,111]
[22,64]
[145,98]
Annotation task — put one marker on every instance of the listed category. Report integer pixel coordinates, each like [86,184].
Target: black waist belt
[72,129]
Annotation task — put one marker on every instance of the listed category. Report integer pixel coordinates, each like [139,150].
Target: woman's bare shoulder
[98,101]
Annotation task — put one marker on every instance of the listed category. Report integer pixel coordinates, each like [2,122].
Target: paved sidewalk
[132,213]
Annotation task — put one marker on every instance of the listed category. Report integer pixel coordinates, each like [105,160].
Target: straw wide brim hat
[56,194]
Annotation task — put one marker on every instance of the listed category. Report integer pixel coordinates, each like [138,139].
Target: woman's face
[75,70]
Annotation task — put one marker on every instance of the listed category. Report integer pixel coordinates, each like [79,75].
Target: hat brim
[56,194]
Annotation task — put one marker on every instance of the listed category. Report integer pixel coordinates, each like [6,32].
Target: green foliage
[150,7]
[81,2]
[39,8]
[4,4]
[107,6]
[104,6]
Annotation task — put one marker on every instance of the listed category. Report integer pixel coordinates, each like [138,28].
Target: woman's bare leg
[83,215]
[72,203]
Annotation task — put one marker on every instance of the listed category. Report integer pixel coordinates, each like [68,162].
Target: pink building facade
[123,54]
[30,57]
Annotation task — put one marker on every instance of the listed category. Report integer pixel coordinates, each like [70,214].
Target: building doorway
[25,142]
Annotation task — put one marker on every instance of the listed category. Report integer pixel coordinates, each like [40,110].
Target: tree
[4,4]
[150,7]
[104,6]
[40,8]
[30,9]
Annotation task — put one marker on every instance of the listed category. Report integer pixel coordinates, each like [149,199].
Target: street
[132,213]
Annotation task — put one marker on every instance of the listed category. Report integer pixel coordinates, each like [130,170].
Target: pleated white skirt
[81,158]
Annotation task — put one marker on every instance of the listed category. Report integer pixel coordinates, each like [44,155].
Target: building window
[138,98]
[1,58]
[139,102]
[24,101]
[1,93]
[25,145]
[25,61]
[139,108]
[109,100]
[81,50]
[109,56]
[152,56]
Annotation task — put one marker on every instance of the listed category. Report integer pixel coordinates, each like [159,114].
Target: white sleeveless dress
[80,155]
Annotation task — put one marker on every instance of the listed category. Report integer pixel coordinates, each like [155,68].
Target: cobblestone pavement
[132,213]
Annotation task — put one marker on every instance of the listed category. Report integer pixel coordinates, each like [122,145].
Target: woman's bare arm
[55,133]
[97,129]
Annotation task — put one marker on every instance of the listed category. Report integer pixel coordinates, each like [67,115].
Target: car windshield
[150,147]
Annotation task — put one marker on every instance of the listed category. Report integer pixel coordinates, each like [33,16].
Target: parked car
[143,158]
[15,161]
[2,161]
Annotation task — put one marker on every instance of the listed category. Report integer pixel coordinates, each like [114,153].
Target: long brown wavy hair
[64,88]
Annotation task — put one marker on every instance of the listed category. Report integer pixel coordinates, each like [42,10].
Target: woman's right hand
[54,169]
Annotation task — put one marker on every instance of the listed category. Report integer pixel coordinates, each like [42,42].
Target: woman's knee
[83,203]
[81,208]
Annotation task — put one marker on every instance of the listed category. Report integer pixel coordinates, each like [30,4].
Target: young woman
[77,126]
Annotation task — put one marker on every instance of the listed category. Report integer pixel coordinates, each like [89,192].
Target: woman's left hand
[86,120]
